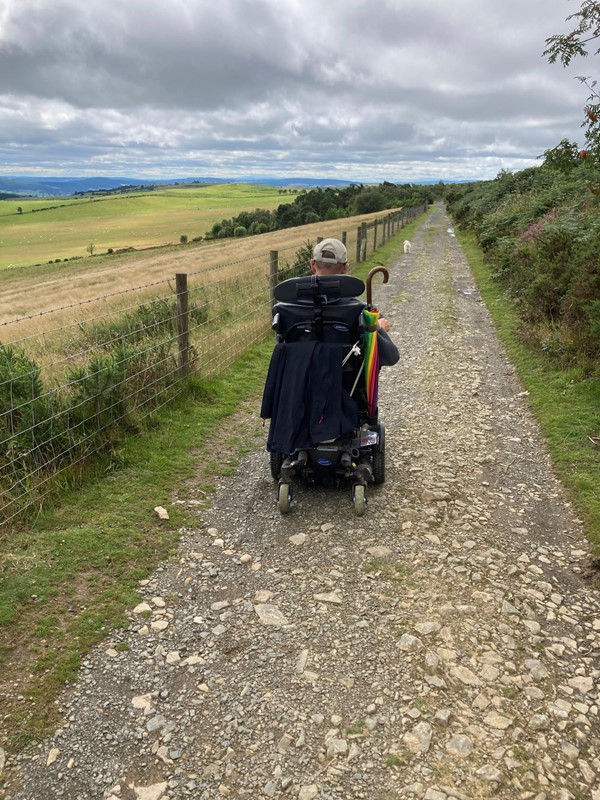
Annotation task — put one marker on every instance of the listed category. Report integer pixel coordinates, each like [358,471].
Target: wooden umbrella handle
[374,271]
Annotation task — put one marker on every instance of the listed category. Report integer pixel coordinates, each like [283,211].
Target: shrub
[301,264]
[369,201]
[132,366]
[540,230]
[257,228]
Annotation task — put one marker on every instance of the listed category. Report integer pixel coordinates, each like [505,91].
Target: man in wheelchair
[324,428]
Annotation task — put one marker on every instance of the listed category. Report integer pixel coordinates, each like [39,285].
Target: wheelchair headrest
[325,287]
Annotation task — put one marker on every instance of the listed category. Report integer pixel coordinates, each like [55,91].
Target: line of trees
[318,205]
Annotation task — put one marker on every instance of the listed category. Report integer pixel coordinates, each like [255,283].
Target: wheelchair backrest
[323,308]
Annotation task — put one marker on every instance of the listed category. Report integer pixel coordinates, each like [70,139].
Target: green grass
[60,228]
[395,760]
[566,402]
[357,728]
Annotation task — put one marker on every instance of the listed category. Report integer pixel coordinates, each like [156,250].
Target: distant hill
[60,187]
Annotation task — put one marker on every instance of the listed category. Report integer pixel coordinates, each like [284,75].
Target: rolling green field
[61,228]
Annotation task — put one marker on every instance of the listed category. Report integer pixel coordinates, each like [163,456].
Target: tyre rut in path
[445,645]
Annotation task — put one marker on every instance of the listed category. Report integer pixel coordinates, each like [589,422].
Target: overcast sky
[365,90]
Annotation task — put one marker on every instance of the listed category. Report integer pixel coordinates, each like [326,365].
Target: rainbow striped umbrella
[371,317]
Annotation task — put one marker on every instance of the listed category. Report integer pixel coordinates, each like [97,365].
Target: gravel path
[445,645]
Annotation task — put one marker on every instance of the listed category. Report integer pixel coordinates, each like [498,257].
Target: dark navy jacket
[302,396]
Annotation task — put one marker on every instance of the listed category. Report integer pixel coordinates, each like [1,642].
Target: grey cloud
[281,85]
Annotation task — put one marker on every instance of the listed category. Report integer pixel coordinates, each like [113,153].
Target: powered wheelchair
[316,395]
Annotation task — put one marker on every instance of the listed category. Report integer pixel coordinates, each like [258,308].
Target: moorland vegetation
[540,232]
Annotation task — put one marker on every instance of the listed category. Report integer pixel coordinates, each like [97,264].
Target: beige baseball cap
[330,251]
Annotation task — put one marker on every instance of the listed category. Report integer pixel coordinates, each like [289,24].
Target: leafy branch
[566,47]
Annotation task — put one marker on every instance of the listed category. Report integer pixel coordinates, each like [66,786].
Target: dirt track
[444,645]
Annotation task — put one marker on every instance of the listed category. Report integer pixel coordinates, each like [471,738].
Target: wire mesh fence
[71,386]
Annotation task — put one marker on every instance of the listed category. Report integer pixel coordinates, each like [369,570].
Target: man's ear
[313,266]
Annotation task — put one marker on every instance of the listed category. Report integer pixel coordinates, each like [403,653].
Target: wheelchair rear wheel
[379,456]
[276,462]
[378,467]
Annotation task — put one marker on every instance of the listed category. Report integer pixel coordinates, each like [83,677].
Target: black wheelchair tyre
[378,467]
[381,431]
[276,462]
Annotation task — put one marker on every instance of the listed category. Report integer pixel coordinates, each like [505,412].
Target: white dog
[407,246]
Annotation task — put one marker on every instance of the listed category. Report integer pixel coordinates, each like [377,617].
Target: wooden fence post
[344,238]
[183,324]
[358,237]
[363,241]
[273,270]
[375,235]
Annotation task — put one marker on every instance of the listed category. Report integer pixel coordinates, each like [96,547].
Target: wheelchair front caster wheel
[359,499]
[284,497]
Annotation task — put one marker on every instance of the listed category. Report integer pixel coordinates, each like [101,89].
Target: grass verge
[565,402]
[69,578]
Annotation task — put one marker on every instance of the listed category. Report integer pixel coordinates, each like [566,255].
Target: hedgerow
[540,230]
[52,426]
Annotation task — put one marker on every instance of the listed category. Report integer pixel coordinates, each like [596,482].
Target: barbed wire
[117,311]
[216,268]
[128,379]
[232,351]
[224,315]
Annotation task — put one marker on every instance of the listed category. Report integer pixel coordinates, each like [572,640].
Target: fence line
[68,395]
